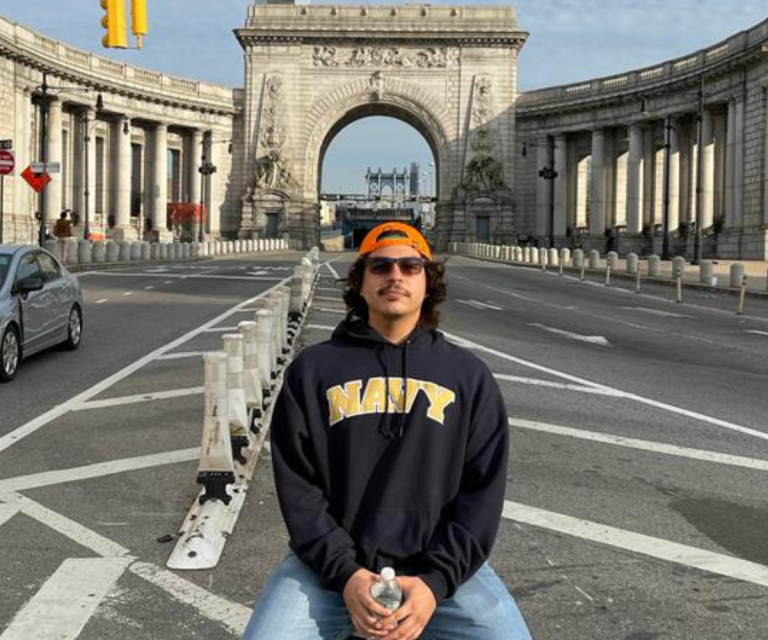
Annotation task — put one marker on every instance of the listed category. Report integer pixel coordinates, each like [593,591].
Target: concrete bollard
[543,258]
[526,255]
[187,250]
[264,347]
[565,257]
[155,250]
[136,251]
[251,380]
[236,406]
[553,257]
[594,259]
[112,251]
[578,258]
[100,251]
[518,254]
[737,274]
[678,267]
[51,246]
[146,251]
[613,259]
[72,251]
[707,273]
[84,252]
[654,266]
[633,263]
[216,469]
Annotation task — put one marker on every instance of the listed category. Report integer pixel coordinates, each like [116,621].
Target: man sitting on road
[390,448]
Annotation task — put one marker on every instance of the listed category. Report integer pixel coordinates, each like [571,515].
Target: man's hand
[414,614]
[362,608]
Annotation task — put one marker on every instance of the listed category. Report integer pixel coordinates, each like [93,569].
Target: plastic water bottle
[386,590]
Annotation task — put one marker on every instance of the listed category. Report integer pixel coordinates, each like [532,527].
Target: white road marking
[102,301]
[688,556]
[258,273]
[200,276]
[127,274]
[598,340]
[327,310]
[333,271]
[322,327]
[328,298]
[7,512]
[759,333]
[142,397]
[330,290]
[61,476]
[221,330]
[128,293]
[481,305]
[40,421]
[233,615]
[169,281]
[658,312]
[67,600]
[149,288]
[181,354]
[537,382]
[697,417]
[644,445]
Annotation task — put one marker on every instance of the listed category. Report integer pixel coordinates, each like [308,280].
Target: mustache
[385,290]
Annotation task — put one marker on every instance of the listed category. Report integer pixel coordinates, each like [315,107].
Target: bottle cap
[388,574]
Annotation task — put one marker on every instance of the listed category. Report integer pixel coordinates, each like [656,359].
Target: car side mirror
[32,283]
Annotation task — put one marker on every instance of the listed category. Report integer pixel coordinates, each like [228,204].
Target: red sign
[7,162]
[36,180]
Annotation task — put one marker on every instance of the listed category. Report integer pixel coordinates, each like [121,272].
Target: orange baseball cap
[392,233]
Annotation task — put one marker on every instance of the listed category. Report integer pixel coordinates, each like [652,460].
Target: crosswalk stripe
[7,512]
[68,599]
[143,397]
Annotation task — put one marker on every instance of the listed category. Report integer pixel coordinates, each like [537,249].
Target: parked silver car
[41,305]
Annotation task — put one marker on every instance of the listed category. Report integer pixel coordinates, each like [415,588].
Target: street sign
[7,162]
[6,144]
[35,180]
[46,167]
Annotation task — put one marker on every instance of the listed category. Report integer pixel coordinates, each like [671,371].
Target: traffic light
[139,17]
[114,22]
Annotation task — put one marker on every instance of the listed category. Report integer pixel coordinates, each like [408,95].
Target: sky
[570,41]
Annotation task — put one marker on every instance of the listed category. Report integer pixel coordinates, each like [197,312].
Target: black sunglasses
[409,266]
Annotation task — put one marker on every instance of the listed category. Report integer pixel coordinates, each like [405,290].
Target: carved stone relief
[272,163]
[483,172]
[426,58]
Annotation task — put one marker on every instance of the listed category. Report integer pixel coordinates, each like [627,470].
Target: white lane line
[33,425]
[329,290]
[327,310]
[258,273]
[233,615]
[248,310]
[102,301]
[181,354]
[221,330]
[322,327]
[697,417]
[658,312]
[61,476]
[333,271]
[170,281]
[759,333]
[142,397]
[128,274]
[644,445]
[7,512]
[483,306]
[149,288]
[598,340]
[67,600]
[200,276]
[537,382]
[328,298]
[128,293]
[659,548]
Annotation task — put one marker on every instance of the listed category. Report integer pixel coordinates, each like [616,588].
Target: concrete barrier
[553,257]
[612,258]
[654,266]
[594,259]
[633,263]
[678,267]
[136,251]
[737,274]
[146,251]
[578,258]
[72,251]
[51,246]
[112,251]
[707,273]
[100,251]
[84,252]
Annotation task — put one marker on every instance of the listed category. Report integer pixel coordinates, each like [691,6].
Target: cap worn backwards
[394,233]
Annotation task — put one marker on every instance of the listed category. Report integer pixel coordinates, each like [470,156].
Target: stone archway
[447,71]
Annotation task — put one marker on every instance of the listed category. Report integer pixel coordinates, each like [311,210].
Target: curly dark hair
[436,293]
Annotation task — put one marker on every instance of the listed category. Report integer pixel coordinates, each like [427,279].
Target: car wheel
[10,354]
[74,329]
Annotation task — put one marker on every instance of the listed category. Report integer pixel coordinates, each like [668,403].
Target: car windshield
[5,263]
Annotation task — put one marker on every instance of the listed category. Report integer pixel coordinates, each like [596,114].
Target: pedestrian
[389,448]
[63,232]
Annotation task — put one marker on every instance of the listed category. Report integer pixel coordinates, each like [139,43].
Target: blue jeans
[294,606]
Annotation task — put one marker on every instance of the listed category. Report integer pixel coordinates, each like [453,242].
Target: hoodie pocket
[394,533]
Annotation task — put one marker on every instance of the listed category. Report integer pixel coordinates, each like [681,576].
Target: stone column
[635,181]
[213,198]
[160,182]
[89,183]
[543,191]
[561,185]
[649,175]
[193,164]
[738,169]
[707,171]
[53,154]
[730,165]
[597,204]
[765,161]
[673,213]
[123,168]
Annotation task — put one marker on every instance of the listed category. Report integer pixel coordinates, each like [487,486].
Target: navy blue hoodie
[362,483]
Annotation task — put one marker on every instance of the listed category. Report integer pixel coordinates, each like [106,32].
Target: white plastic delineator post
[216,468]
[296,300]
[236,406]
[307,272]
[264,348]
[251,378]
[284,295]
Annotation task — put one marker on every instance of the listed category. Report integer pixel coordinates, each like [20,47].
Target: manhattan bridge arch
[311,70]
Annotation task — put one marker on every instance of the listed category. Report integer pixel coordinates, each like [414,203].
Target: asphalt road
[635,504]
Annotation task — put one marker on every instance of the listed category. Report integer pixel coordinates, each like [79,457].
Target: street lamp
[697,238]
[205,169]
[84,118]
[665,207]
[548,174]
